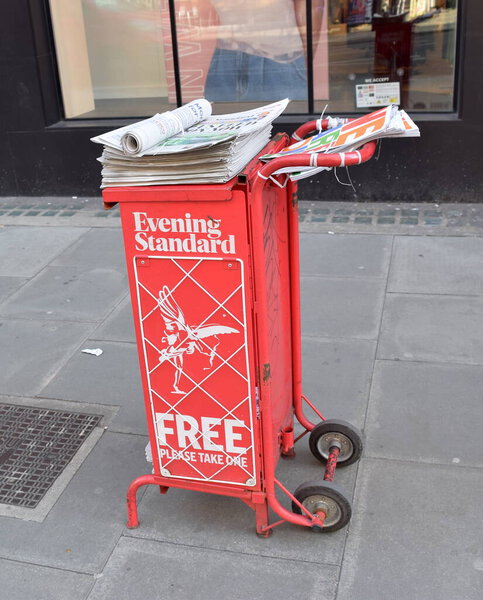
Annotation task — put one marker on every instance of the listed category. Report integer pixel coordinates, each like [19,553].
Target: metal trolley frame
[320,505]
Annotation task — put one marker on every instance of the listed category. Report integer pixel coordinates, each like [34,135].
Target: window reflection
[115,57]
[392,50]
[247,52]
[251,63]
[119,48]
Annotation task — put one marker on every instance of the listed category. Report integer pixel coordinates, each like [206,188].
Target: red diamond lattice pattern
[193,324]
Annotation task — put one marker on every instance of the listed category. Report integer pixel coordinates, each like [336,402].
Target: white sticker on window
[377,94]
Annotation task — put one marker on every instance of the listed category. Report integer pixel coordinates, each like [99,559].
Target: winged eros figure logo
[180,338]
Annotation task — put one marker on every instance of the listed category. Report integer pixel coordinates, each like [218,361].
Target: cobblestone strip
[420,219]
[323,217]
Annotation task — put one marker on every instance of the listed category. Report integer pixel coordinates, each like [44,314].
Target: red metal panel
[170,193]
[193,324]
[214,281]
[278,369]
[188,265]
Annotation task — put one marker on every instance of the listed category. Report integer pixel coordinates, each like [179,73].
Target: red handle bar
[307,159]
[310,127]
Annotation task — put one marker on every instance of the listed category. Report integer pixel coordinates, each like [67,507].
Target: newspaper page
[349,136]
[138,138]
[410,127]
[386,122]
[220,128]
[210,131]
[218,163]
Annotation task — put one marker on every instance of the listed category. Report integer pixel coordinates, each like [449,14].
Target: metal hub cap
[327,440]
[330,507]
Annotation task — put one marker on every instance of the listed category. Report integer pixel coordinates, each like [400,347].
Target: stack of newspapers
[348,135]
[186,145]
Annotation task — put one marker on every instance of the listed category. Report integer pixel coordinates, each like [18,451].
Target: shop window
[111,57]
[249,52]
[115,57]
[400,51]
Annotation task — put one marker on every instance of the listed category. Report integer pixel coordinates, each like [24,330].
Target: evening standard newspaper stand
[214,281]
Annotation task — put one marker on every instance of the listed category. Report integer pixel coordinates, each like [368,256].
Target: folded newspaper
[383,123]
[186,145]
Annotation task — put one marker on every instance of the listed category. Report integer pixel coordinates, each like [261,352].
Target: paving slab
[106,413]
[224,523]
[432,328]
[345,255]
[437,265]
[337,375]
[138,570]
[119,325]
[426,412]
[25,251]
[103,247]
[23,580]
[31,352]
[85,524]
[8,285]
[416,533]
[68,293]
[341,308]
[111,378]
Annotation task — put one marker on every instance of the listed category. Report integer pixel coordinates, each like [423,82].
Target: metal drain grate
[36,444]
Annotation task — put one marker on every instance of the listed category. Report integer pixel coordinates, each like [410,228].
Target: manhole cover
[36,444]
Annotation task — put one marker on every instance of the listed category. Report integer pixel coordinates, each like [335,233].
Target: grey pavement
[392,320]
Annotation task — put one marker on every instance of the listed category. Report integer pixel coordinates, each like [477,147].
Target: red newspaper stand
[214,281]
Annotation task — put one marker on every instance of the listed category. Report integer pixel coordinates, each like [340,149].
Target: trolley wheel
[345,435]
[324,496]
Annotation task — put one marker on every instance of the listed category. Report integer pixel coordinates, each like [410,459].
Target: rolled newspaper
[143,135]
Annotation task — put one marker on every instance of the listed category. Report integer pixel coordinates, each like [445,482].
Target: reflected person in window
[261,50]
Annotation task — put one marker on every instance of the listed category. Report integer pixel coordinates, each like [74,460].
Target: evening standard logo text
[191,235]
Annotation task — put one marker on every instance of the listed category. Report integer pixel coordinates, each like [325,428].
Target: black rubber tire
[325,491]
[341,430]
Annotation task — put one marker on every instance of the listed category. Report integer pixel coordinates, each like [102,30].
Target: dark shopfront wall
[41,154]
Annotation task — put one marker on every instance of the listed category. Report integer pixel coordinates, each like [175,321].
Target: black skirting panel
[42,154]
